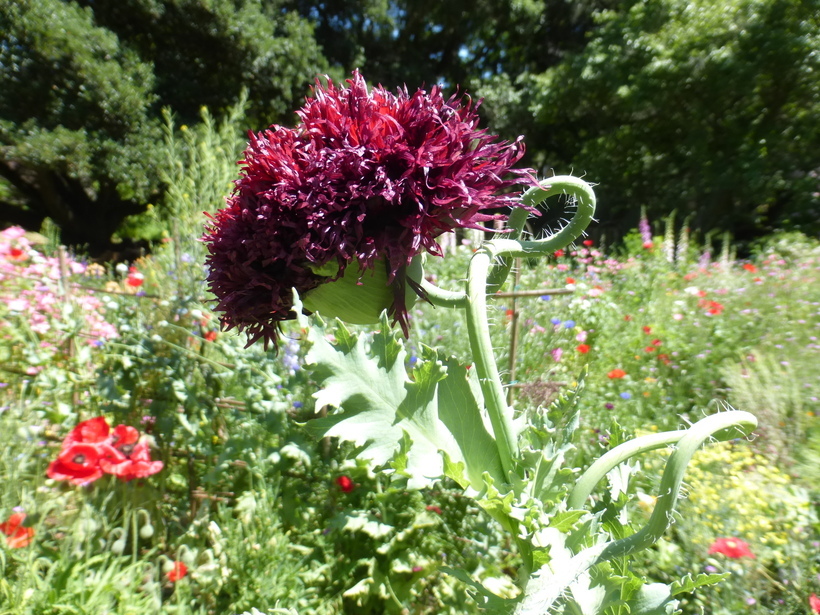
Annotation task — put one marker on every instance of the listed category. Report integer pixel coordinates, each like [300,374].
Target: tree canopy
[708,108]
[83,85]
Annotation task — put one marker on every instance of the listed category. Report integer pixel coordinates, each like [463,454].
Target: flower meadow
[152,463]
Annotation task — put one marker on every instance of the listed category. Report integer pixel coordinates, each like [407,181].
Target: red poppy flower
[136,463]
[647,245]
[368,179]
[582,348]
[91,431]
[649,349]
[733,548]
[80,463]
[558,253]
[345,484]
[712,307]
[616,373]
[135,278]
[433,508]
[17,536]
[211,336]
[123,438]
[814,603]
[627,317]
[16,254]
[588,242]
[570,280]
[177,572]
[657,342]
[647,330]
[750,268]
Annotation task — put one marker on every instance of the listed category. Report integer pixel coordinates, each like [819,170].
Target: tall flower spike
[367,179]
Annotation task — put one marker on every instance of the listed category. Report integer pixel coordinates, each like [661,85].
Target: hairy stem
[721,426]
[479,330]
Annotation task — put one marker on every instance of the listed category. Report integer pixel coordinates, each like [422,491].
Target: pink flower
[814,603]
[733,548]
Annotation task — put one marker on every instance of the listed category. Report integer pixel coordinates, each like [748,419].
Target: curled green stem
[722,426]
[503,251]
[563,184]
[615,457]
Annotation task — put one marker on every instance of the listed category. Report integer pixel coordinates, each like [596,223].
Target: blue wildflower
[626,395]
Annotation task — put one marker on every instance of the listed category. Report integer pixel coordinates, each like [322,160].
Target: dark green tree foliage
[708,108]
[75,133]
[458,42]
[204,52]
[82,88]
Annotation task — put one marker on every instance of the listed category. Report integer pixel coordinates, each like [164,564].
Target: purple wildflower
[368,179]
[644,229]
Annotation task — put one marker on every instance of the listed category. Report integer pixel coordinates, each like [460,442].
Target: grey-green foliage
[707,107]
[771,390]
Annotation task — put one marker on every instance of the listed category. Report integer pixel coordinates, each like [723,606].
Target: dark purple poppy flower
[368,179]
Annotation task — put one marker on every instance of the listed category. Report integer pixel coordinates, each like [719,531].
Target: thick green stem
[443,298]
[501,268]
[479,330]
[721,426]
[611,459]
